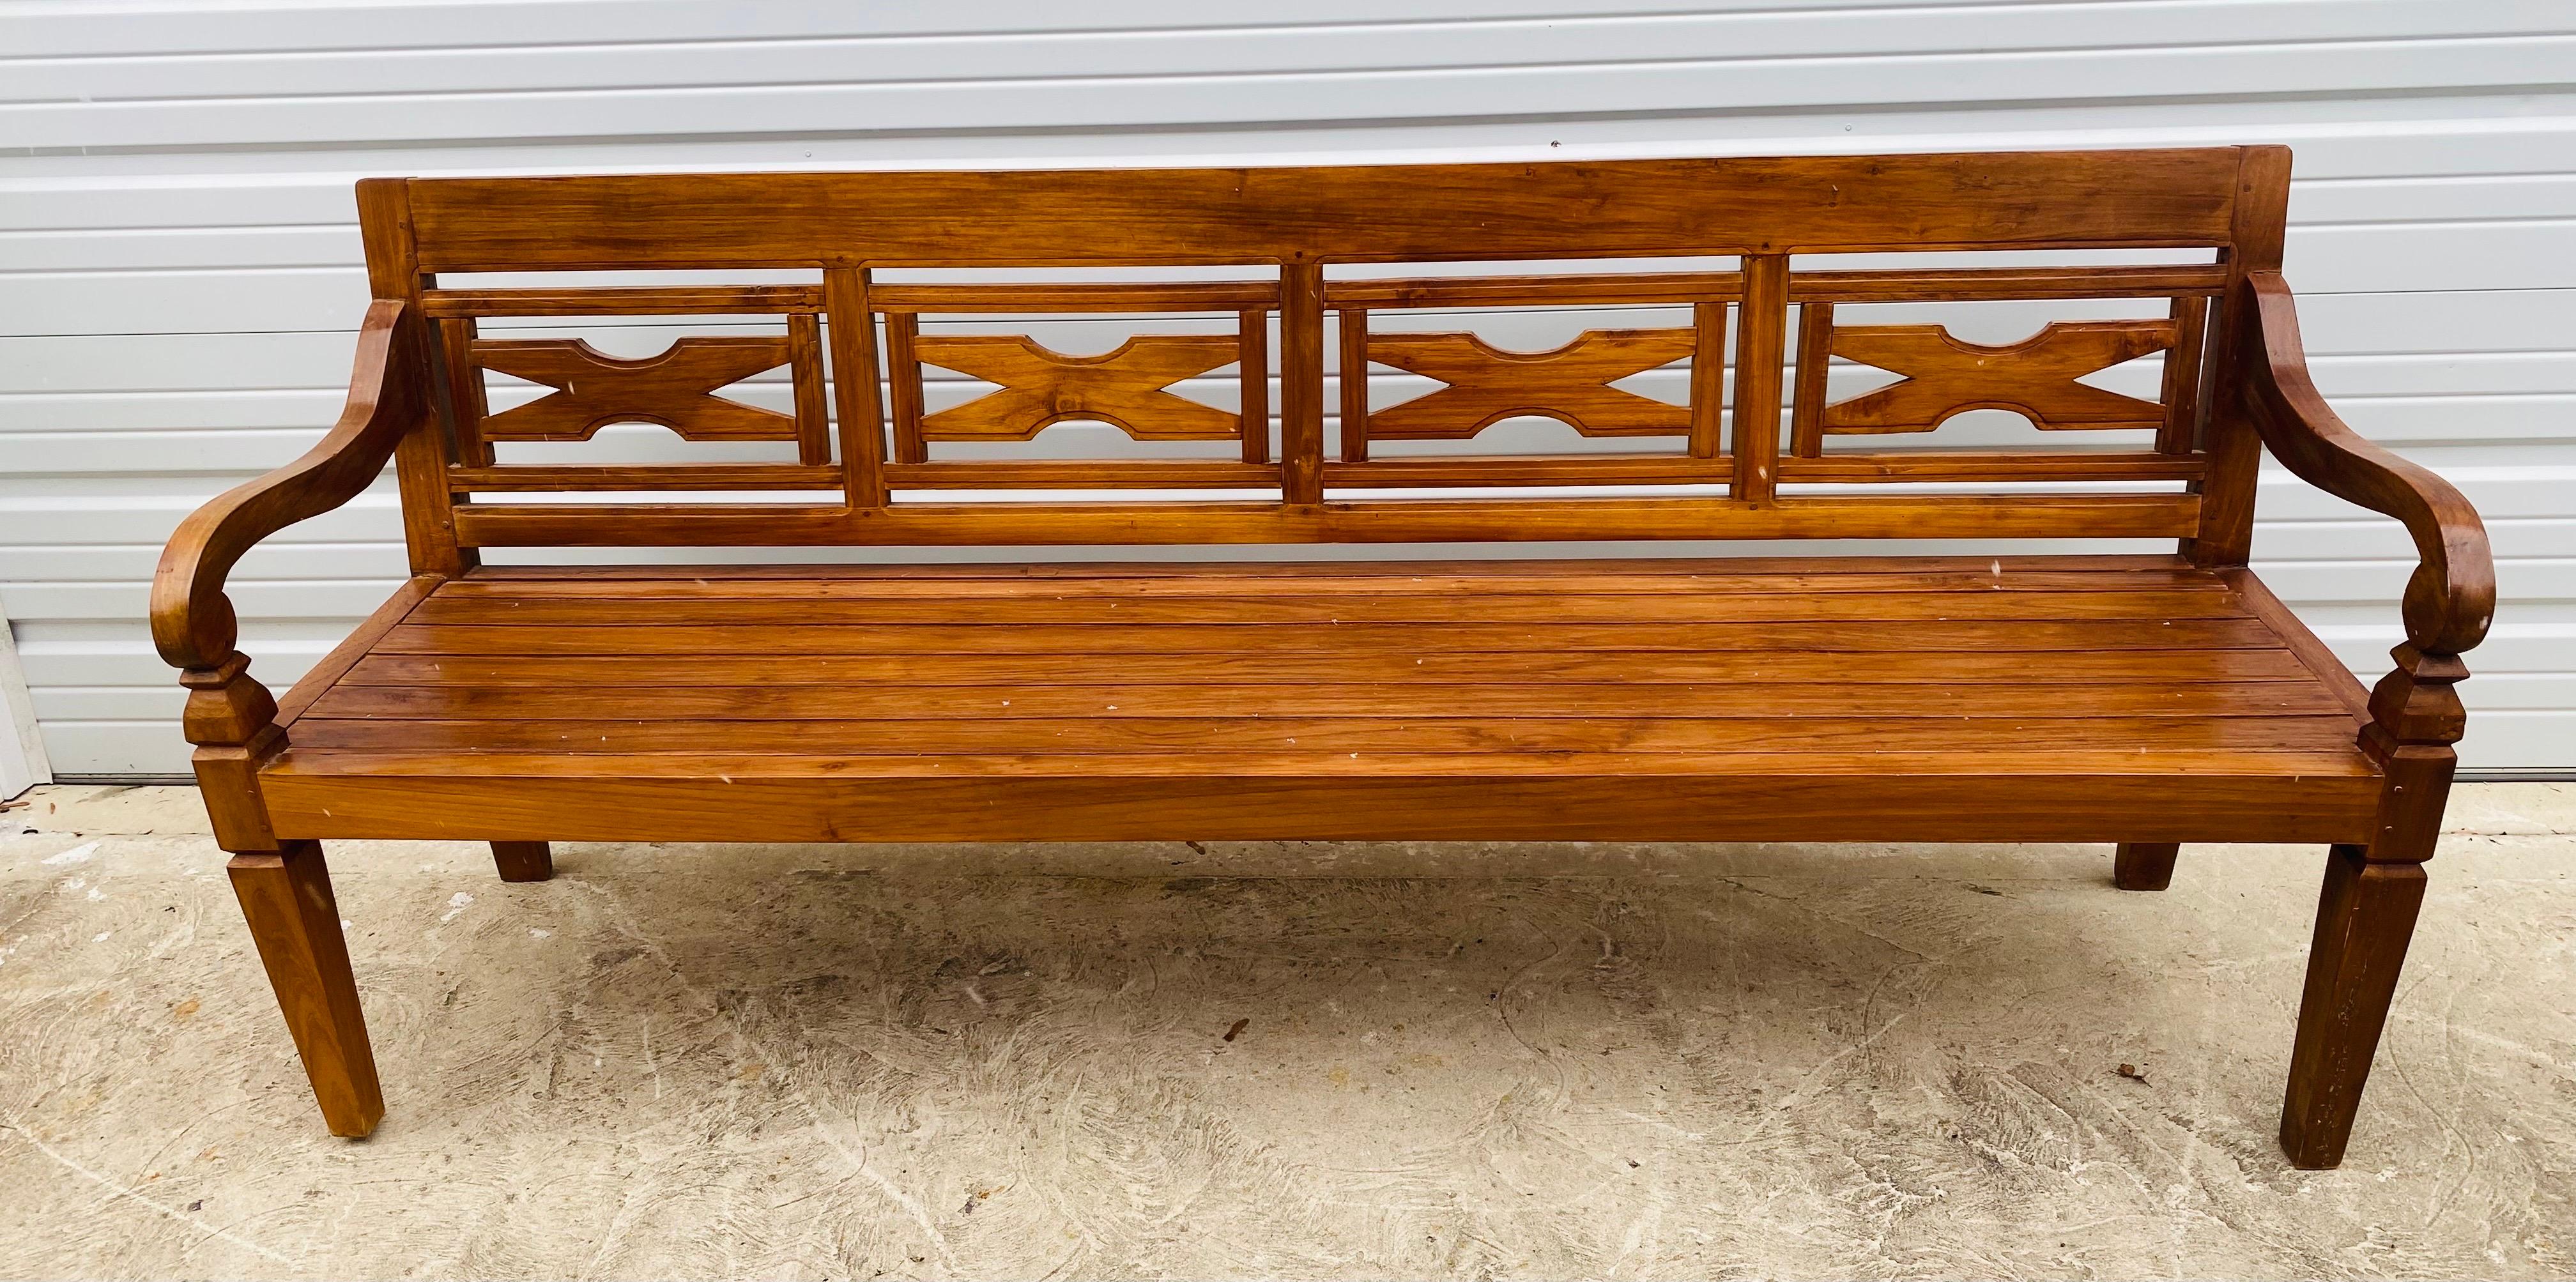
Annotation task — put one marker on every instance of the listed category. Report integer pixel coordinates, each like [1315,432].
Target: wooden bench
[2145,699]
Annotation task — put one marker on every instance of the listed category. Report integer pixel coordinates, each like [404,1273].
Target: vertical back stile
[421,460]
[2255,231]
[1815,361]
[1252,369]
[2181,428]
[1354,381]
[1759,351]
[1301,382]
[468,405]
[903,386]
[854,380]
[805,367]
[1708,380]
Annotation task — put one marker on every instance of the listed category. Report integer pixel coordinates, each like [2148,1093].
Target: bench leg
[2364,919]
[523,860]
[2144,865]
[286,895]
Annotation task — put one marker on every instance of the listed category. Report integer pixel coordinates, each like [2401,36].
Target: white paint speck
[76,855]
[540,934]
[101,937]
[93,896]
[457,903]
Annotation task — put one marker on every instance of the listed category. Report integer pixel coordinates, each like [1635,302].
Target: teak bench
[2141,699]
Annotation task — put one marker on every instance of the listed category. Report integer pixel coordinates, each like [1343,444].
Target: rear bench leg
[523,860]
[286,895]
[2144,865]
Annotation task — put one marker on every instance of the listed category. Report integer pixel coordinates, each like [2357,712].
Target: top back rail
[1744,452]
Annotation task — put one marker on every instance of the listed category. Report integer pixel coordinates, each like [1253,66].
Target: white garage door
[179,270]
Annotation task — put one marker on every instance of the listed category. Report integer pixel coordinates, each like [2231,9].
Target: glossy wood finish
[675,389]
[1370,213]
[2154,700]
[1761,336]
[523,860]
[192,620]
[1571,384]
[1123,388]
[2365,917]
[295,921]
[1346,698]
[2144,865]
[2035,378]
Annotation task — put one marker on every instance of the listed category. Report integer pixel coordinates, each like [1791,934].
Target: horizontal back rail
[1378,213]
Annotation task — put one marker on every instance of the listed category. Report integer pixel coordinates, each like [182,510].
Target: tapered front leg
[286,895]
[2367,912]
[2144,865]
[523,860]
[2364,920]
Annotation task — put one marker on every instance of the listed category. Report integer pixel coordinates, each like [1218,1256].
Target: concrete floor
[1451,1061]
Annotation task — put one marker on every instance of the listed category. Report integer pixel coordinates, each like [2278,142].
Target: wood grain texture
[2156,700]
[1483,385]
[427,447]
[1761,338]
[192,620]
[625,300]
[1397,685]
[851,331]
[295,921]
[2035,378]
[1124,388]
[520,861]
[2450,598]
[311,792]
[1386,213]
[2365,918]
[676,389]
[2258,225]
[925,523]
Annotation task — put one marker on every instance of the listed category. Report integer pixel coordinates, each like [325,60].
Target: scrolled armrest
[192,621]
[2451,597]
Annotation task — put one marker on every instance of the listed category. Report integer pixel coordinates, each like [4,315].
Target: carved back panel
[878,384]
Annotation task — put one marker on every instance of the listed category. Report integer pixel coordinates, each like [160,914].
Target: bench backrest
[1257,261]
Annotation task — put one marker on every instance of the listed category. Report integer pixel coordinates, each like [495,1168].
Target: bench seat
[2073,698]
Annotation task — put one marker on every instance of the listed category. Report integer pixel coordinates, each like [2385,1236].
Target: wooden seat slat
[1535,699]
[1553,568]
[1428,667]
[1842,637]
[1323,765]
[1283,609]
[2313,736]
[1112,587]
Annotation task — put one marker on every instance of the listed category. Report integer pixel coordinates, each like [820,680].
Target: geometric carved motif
[675,389]
[1124,388]
[1571,384]
[2034,378]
